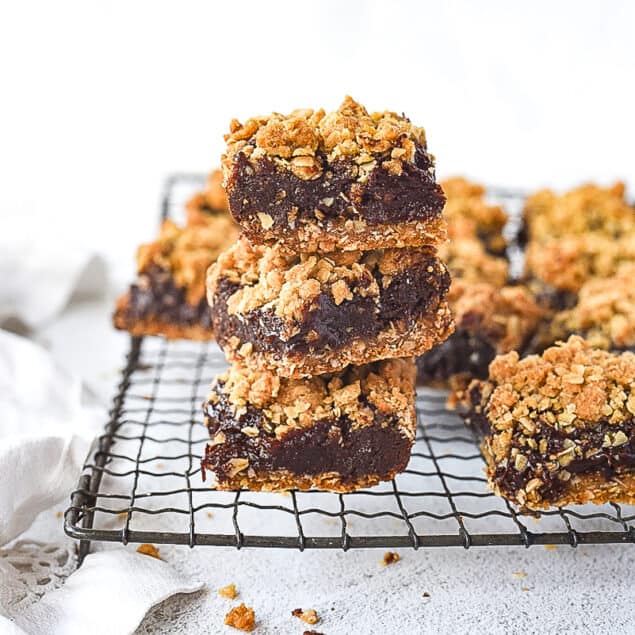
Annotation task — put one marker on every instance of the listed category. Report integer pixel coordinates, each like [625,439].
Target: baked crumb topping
[567,263]
[604,313]
[241,617]
[468,214]
[188,251]
[467,260]
[149,550]
[211,200]
[589,208]
[504,316]
[571,385]
[306,141]
[359,392]
[288,283]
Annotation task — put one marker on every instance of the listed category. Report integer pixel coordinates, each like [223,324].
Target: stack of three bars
[322,303]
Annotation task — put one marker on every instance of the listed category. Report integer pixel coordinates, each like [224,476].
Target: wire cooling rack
[142,482]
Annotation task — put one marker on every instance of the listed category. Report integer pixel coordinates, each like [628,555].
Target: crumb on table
[228,591]
[390,557]
[241,617]
[309,616]
[149,550]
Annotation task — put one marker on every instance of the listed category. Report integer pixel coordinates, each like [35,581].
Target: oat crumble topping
[149,550]
[228,592]
[467,260]
[569,262]
[309,616]
[306,141]
[588,208]
[289,283]
[387,386]
[212,199]
[390,557]
[505,316]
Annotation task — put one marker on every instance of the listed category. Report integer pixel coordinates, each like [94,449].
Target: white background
[100,100]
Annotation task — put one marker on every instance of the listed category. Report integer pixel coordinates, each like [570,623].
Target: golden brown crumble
[387,386]
[211,200]
[468,214]
[149,550]
[604,313]
[290,283]
[567,263]
[188,251]
[572,386]
[303,139]
[588,208]
[390,557]
[467,260]
[503,316]
[241,617]
[309,616]
[228,592]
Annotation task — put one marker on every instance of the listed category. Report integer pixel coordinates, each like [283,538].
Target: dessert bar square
[168,297]
[468,214]
[311,181]
[308,314]
[210,201]
[558,429]
[489,321]
[337,432]
[604,313]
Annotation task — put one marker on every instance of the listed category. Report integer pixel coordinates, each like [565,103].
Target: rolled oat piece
[168,297]
[308,314]
[558,429]
[337,432]
[347,180]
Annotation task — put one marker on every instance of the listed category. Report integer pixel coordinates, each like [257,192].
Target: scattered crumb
[525,588]
[312,633]
[390,557]
[284,493]
[149,550]
[160,466]
[519,574]
[59,514]
[122,515]
[241,617]
[210,515]
[228,591]
[147,397]
[550,547]
[426,595]
[309,616]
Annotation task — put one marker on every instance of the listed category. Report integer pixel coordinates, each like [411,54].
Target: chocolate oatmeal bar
[168,297]
[588,208]
[556,270]
[316,182]
[337,432]
[604,313]
[558,429]
[489,321]
[307,314]
[468,214]
[211,201]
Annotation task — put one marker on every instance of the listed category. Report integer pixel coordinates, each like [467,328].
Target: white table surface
[491,590]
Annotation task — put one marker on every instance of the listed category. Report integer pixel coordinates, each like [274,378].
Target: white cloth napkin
[45,433]
[109,595]
[39,275]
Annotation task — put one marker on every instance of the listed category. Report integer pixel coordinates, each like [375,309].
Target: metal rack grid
[142,480]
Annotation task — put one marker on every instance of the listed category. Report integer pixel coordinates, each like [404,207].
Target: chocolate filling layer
[156,296]
[264,186]
[411,294]
[608,461]
[329,445]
